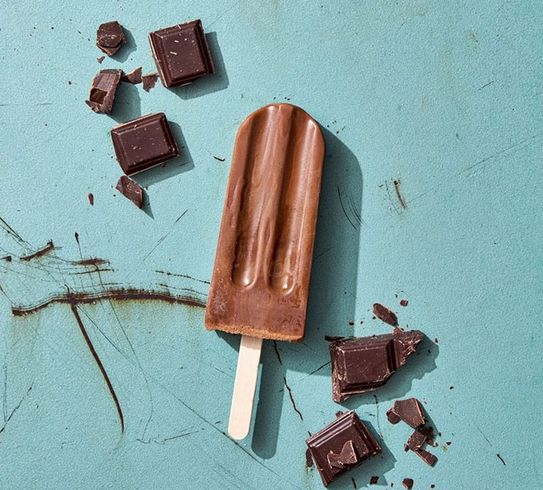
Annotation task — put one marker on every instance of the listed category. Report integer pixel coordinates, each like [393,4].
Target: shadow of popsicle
[332,296]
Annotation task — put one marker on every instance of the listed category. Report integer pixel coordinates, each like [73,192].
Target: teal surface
[442,97]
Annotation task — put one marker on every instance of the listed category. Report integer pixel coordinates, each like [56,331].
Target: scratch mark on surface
[391,200]
[291,396]
[482,433]
[163,237]
[166,439]
[277,352]
[11,232]
[6,420]
[186,276]
[501,459]
[48,247]
[76,235]
[354,483]
[397,184]
[486,85]
[73,307]
[323,253]
[119,294]
[343,208]
[223,13]
[319,368]
[377,415]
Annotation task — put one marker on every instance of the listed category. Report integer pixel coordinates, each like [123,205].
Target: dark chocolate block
[103,89]
[143,143]
[344,443]
[181,53]
[131,190]
[365,363]
[110,37]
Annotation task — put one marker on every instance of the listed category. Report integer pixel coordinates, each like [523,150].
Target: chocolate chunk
[143,143]
[404,302]
[384,314]
[429,458]
[344,443]
[90,197]
[110,37]
[149,81]
[410,411]
[133,77]
[374,480]
[181,53]
[363,364]
[130,189]
[408,483]
[416,440]
[102,93]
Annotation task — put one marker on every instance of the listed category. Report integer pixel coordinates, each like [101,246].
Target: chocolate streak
[117,294]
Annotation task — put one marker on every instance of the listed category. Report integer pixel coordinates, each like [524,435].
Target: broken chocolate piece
[429,458]
[149,81]
[102,93]
[134,77]
[100,59]
[404,302]
[181,53]
[143,143]
[384,314]
[130,189]
[344,443]
[363,364]
[308,459]
[410,411]
[416,440]
[408,483]
[110,37]
[347,457]
[90,197]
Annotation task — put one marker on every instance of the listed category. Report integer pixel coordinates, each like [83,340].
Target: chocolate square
[181,53]
[343,444]
[143,143]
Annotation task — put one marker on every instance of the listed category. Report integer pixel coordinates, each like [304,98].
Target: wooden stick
[244,387]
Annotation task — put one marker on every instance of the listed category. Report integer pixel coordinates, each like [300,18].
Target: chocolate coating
[260,281]
[181,53]
[363,364]
[341,445]
[143,143]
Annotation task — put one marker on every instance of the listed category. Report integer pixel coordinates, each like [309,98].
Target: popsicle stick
[244,387]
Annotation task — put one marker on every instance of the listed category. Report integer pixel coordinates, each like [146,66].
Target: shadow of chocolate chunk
[362,364]
[341,445]
[181,53]
[410,411]
[110,37]
[103,89]
[131,190]
[384,314]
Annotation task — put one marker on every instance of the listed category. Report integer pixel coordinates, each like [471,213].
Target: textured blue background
[443,96]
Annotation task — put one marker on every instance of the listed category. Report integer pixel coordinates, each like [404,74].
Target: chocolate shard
[384,314]
[416,440]
[429,458]
[408,483]
[134,77]
[410,411]
[343,444]
[347,457]
[131,190]
[362,364]
[103,89]
[149,81]
[110,37]
[181,53]
[143,143]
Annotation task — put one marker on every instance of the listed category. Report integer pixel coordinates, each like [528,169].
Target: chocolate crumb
[404,302]
[408,483]
[385,314]
[432,486]
[90,196]
[308,459]
[149,81]
[374,480]
[351,323]
[451,387]
[501,459]
[219,158]
[69,82]
[100,59]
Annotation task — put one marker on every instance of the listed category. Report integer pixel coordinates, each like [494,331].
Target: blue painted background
[444,97]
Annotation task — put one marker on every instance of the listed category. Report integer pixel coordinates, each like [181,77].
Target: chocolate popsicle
[260,281]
